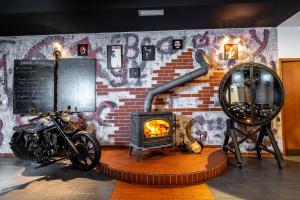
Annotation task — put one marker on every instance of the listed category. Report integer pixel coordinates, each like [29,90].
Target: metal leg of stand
[138,154]
[173,149]
[277,153]
[236,148]
[259,142]
[130,151]
[227,135]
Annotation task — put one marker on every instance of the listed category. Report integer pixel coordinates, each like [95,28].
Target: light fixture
[57,50]
[159,12]
[225,39]
[237,40]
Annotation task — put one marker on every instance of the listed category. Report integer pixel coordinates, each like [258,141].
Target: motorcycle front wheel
[89,151]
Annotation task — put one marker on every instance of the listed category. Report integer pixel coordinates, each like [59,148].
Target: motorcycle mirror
[69,107]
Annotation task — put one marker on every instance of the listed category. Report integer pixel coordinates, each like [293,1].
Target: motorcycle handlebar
[51,114]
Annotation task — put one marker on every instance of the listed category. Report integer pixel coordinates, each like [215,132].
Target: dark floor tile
[258,180]
[19,180]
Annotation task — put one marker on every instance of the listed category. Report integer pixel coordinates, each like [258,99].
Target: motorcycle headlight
[66,117]
[15,128]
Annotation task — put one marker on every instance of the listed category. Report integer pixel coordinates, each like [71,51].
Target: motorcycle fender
[85,133]
[82,132]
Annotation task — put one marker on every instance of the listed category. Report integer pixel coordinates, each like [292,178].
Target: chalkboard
[33,86]
[76,84]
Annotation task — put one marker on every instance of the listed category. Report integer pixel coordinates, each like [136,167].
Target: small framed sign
[230,51]
[83,50]
[177,44]
[114,56]
[148,52]
[134,73]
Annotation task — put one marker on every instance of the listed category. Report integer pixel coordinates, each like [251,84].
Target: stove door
[155,128]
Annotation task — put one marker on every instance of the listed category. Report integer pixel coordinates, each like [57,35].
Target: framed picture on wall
[83,50]
[134,73]
[230,51]
[114,56]
[148,52]
[177,44]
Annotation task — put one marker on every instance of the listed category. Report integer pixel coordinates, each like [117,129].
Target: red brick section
[167,72]
[126,191]
[163,169]
[121,116]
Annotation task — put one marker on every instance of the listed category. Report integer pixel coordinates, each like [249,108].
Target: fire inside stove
[156,128]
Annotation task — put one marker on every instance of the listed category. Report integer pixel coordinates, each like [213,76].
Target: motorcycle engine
[41,146]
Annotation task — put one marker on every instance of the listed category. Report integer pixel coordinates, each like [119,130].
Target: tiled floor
[258,180]
[126,191]
[20,181]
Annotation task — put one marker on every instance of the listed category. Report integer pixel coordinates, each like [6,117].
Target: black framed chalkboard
[33,86]
[76,84]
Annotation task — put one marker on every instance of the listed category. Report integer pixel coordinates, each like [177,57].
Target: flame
[156,128]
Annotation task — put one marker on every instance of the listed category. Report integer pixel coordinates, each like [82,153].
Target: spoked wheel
[89,151]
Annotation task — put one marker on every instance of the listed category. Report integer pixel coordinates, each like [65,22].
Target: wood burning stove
[151,130]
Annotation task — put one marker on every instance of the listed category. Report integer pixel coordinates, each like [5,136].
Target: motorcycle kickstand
[49,163]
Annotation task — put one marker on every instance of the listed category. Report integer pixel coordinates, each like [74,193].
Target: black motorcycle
[51,137]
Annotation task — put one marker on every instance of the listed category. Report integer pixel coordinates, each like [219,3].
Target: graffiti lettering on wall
[164,46]
[200,40]
[1,134]
[102,113]
[6,92]
[109,106]
[132,52]
[204,127]
[262,43]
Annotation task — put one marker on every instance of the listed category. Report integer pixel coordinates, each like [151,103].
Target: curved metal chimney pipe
[201,59]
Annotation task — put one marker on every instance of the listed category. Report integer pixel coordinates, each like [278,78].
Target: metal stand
[234,145]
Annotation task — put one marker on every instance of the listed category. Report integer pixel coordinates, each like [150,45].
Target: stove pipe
[200,58]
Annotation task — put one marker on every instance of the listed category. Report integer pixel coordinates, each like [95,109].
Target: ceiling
[41,17]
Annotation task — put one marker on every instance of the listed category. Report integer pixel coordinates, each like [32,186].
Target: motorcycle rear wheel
[89,151]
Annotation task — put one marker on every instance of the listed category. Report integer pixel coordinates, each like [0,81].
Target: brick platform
[158,168]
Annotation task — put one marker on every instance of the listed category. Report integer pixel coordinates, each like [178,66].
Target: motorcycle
[51,137]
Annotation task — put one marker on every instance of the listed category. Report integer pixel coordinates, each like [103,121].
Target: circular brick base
[163,168]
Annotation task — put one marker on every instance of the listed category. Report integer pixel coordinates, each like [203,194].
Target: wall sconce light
[57,50]
[230,51]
